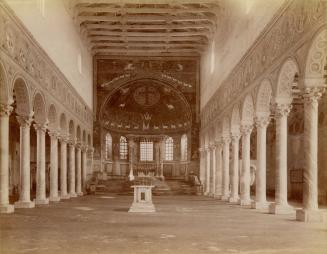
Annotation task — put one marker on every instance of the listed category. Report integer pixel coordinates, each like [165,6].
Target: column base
[41,201]
[280,209]
[310,215]
[225,198]
[7,208]
[80,193]
[260,205]
[65,196]
[73,195]
[206,193]
[217,196]
[54,199]
[24,204]
[234,200]
[245,202]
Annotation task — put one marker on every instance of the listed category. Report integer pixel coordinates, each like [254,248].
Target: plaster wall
[240,23]
[53,28]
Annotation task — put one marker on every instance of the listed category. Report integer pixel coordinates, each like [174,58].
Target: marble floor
[182,224]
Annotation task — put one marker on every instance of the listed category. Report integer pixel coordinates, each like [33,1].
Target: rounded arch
[235,119]
[39,108]
[4,86]
[264,98]
[63,122]
[247,110]
[226,126]
[84,136]
[22,97]
[89,140]
[78,133]
[286,78]
[316,61]
[71,129]
[52,117]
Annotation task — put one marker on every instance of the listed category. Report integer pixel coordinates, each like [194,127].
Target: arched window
[123,150]
[108,146]
[184,147]
[169,149]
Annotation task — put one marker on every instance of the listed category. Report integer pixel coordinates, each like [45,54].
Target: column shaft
[78,171]
[260,195]
[245,181]
[219,172]
[63,168]
[226,169]
[25,172]
[5,207]
[212,170]
[235,169]
[72,191]
[54,167]
[207,185]
[84,168]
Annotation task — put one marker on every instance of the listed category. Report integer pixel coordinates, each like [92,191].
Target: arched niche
[22,97]
[40,116]
[52,117]
[264,98]
[247,116]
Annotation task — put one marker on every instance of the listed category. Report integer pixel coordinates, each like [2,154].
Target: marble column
[162,155]
[260,188]
[25,172]
[63,167]
[78,170]
[207,181]
[131,159]
[5,207]
[41,198]
[226,143]
[310,212]
[202,166]
[280,206]
[219,171]
[54,196]
[71,146]
[245,173]
[234,198]
[84,168]
[91,151]
[212,170]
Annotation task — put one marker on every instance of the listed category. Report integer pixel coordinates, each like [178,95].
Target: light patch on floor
[213,248]
[164,236]
[83,208]
[108,197]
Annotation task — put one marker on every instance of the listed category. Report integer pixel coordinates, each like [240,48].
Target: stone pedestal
[281,209]
[310,215]
[260,205]
[142,199]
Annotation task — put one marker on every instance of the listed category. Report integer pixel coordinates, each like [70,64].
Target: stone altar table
[142,199]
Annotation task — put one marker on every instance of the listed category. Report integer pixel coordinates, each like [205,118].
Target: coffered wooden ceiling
[144,27]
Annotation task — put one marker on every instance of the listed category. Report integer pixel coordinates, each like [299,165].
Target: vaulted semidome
[146,105]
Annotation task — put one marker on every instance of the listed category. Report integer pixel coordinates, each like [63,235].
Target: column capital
[91,149]
[212,146]
[313,94]
[54,134]
[5,109]
[40,127]
[72,142]
[24,121]
[246,129]
[235,137]
[226,140]
[282,109]
[262,121]
[78,145]
[84,148]
[63,138]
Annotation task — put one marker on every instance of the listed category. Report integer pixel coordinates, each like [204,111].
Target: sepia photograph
[163,126]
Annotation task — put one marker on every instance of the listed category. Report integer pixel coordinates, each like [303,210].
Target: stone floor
[182,224]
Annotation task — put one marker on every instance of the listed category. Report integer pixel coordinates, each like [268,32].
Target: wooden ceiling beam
[145,39]
[148,34]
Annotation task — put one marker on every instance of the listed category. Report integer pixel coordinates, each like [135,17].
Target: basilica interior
[216,108]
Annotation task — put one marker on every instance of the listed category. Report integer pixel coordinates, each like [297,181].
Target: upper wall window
[169,149]
[123,150]
[184,147]
[108,146]
[146,151]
